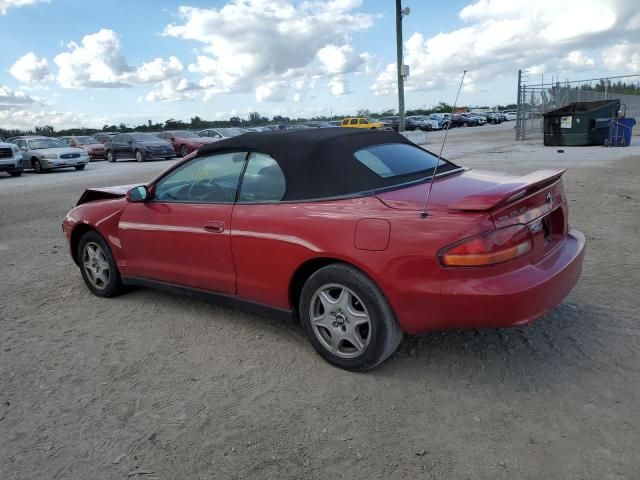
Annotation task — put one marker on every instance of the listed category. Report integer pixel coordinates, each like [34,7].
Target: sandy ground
[151,385]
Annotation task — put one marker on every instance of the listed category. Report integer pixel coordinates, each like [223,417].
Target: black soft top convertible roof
[319,163]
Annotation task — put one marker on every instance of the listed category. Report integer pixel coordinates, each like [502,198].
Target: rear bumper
[512,297]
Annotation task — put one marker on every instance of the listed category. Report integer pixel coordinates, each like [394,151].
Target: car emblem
[549,199]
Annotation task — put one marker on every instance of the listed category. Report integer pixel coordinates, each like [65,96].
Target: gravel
[152,385]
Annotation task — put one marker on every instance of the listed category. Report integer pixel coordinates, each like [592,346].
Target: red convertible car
[329,224]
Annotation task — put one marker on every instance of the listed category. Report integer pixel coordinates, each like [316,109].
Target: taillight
[489,248]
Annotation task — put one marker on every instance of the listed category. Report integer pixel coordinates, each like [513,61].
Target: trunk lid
[536,200]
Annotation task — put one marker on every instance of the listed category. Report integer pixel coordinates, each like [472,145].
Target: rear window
[397,159]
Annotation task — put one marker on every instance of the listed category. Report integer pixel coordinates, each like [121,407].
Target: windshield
[397,159]
[186,134]
[40,143]
[86,140]
[231,132]
[144,137]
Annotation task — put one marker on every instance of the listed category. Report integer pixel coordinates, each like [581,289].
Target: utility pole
[399,14]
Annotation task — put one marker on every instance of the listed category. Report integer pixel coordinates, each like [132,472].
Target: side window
[345,121]
[126,138]
[21,144]
[211,179]
[263,180]
[354,121]
[362,121]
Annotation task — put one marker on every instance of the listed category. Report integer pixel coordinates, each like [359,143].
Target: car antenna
[423,213]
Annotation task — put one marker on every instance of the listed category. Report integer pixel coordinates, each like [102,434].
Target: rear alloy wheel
[37,166]
[139,156]
[110,156]
[347,319]
[98,266]
[184,151]
[80,167]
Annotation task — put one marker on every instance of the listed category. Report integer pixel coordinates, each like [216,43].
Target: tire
[373,128]
[37,166]
[80,167]
[15,173]
[93,272]
[429,128]
[378,333]
[110,156]
[139,156]
[184,151]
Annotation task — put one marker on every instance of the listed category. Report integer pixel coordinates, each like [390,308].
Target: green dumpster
[580,123]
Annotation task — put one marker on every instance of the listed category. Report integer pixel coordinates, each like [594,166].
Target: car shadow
[566,342]
[548,350]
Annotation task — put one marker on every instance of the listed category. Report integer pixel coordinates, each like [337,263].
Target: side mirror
[138,194]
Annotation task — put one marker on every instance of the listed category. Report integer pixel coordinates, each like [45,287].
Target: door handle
[215,227]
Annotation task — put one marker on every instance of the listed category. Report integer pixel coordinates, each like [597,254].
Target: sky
[72,63]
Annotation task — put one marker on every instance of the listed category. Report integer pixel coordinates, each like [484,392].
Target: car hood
[59,150]
[105,193]
[472,190]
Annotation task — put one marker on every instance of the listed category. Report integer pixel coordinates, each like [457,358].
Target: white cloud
[338,86]
[10,99]
[159,70]
[622,56]
[502,36]
[30,69]
[272,91]
[173,90]
[5,5]
[98,62]
[255,45]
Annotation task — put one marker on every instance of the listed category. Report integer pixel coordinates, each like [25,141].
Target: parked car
[93,147]
[335,123]
[141,146]
[390,123]
[43,154]
[494,118]
[443,118]
[221,133]
[422,122]
[184,142]
[510,116]
[319,124]
[102,137]
[361,122]
[480,119]
[466,120]
[258,129]
[331,224]
[10,159]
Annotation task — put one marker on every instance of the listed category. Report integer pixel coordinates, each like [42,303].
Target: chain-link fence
[536,99]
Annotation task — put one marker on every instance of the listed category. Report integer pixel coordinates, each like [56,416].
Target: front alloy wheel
[97,265]
[340,320]
[139,156]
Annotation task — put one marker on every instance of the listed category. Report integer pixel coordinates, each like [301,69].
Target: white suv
[10,159]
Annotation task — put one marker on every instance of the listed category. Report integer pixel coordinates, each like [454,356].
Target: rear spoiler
[504,193]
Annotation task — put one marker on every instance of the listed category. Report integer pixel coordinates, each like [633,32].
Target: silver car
[46,153]
[10,159]
[221,133]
